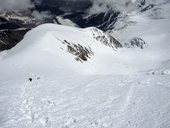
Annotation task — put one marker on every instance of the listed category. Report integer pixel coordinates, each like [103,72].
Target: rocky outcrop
[80,52]
[14,25]
[9,38]
[105,39]
[104,20]
[83,51]
[136,43]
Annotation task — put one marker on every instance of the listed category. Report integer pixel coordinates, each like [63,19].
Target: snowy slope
[58,46]
[152,26]
[68,77]
[86,102]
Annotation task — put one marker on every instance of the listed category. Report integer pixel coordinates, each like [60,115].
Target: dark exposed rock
[136,43]
[14,25]
[147,7]
[141,3]
[9,25]
[105,39]
[103,21]
[81,53]
[9,38]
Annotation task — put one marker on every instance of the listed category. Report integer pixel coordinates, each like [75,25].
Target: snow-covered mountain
[76,76]
[60,76]
[76,13]
[98,13]
[66,46]
[152,28]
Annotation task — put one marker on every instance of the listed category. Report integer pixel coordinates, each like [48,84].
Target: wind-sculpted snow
[73,101]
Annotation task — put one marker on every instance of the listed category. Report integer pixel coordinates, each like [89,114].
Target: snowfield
[45,81]
[86,102]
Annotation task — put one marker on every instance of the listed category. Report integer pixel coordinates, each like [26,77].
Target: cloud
[119,5]
[15,4]
[98,8]
[41,15]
